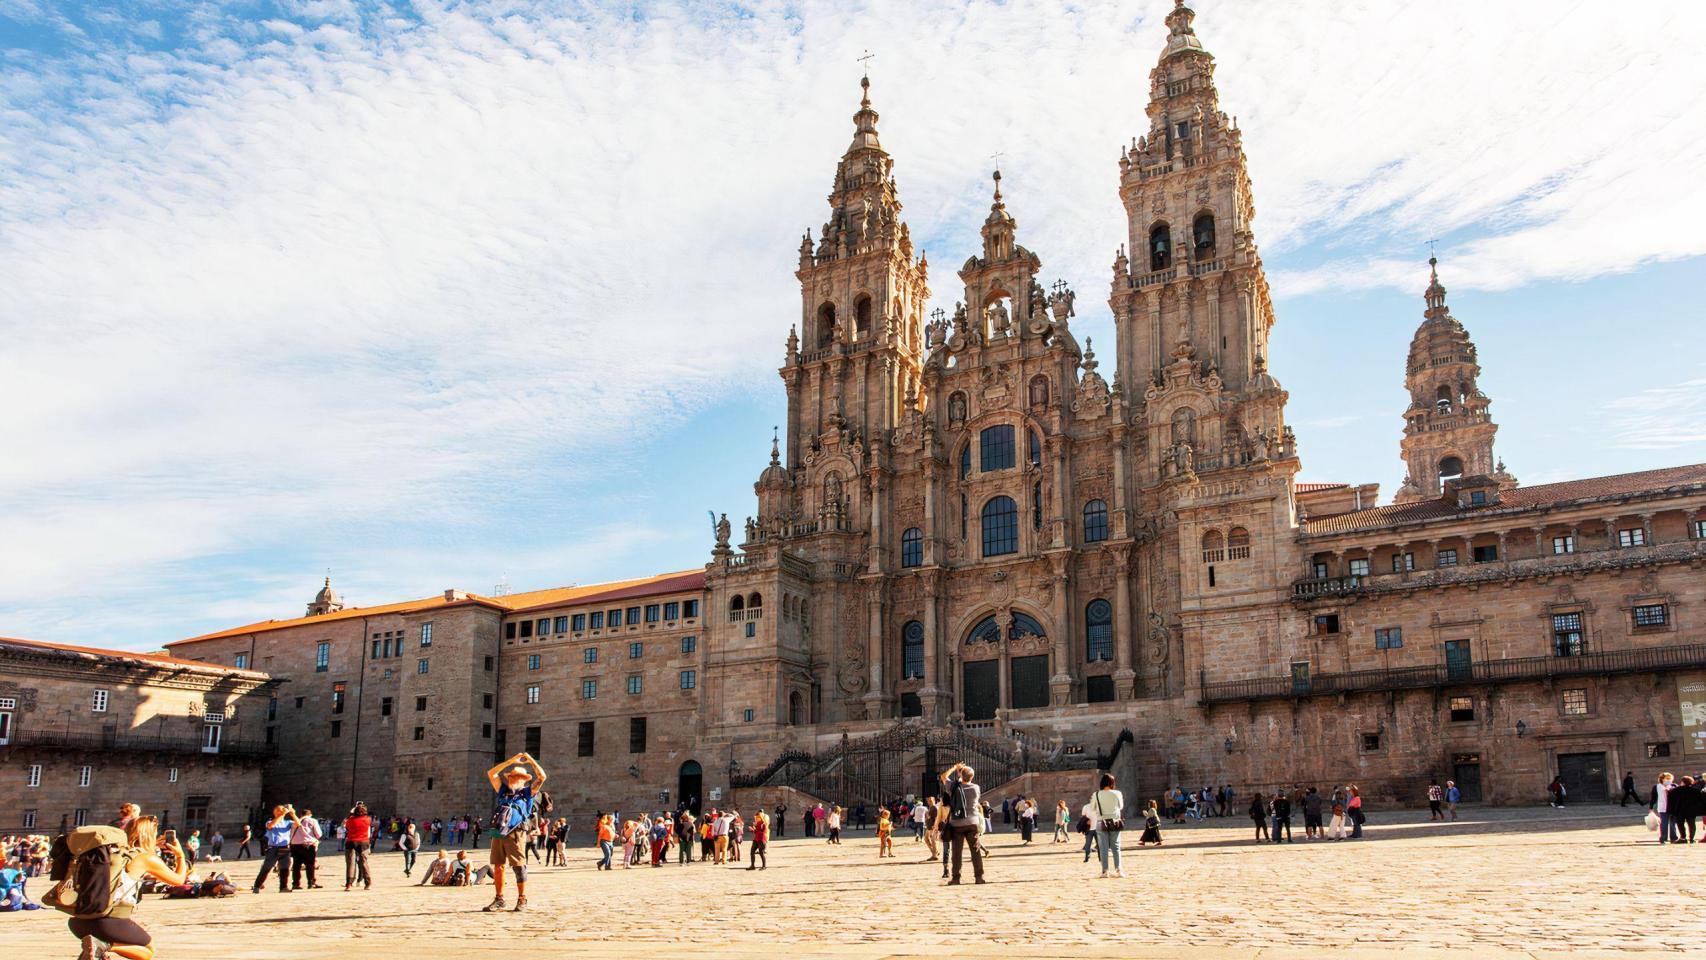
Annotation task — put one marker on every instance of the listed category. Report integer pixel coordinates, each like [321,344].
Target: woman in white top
[1106,810]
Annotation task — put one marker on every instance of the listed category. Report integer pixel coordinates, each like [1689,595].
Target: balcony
[1512,670]
[48,739]
[1313,587]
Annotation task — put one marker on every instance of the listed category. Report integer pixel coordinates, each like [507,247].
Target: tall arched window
[985,631]
[912,547]
[912,651]
[1098,630]
[737,604]
[1035,448]
[1238,544]
[1095,521]
[795,708]
[1202,235]
[1000,527]
[1213,547]
[754,602]
[862,318]
[965,461]
[825,325]
[1160,247]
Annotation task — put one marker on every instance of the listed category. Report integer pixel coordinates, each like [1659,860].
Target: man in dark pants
[781,819]
[304,849]
[277,840]
[965,819]
[1629,791]
[1282,816]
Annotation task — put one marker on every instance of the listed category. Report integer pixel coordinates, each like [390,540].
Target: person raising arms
[517,782]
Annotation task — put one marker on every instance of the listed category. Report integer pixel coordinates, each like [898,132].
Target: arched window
[754,602]
[1450,469]
[1039,391]
[1035,448]
[912,651]
[1160,247]
[912,547]
[1098,631]
[965,461]
[1202,235]
[995,448]
[1213,547]
[1024,625]
[1238,544]
[1095,521]
[1443,401]
[985,631]
[1185,426]
[795,706]
[737,604]
[861,318]
[1000,527]
[825,325]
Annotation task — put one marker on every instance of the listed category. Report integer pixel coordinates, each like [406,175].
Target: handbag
[1112,824]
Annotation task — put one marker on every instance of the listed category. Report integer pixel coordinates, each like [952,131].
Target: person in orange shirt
[885,831]
[606,840]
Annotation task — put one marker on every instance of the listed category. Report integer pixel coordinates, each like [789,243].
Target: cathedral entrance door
[1030,681]
[982,689]
[690,786]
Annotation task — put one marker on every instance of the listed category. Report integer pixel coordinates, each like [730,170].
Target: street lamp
[1521,728]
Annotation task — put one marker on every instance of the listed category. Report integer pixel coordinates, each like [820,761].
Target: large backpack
[957,808]
[90,865]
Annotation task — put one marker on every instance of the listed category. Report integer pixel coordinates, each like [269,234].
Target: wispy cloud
[1660,418]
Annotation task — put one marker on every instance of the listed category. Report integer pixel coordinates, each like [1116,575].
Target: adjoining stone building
[966,525]
[84,730]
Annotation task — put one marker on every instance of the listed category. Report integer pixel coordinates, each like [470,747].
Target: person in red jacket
[358,840]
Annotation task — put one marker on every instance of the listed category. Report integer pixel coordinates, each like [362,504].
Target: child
[885,827]
[1151,825]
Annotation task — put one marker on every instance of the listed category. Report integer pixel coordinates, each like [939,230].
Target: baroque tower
[1448,432]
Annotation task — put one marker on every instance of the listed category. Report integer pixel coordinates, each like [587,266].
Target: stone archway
[690,786]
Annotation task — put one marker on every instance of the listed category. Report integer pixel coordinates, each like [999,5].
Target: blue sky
[438,295]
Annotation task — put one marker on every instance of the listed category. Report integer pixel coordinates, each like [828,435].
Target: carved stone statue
[723,530]
[1000,323]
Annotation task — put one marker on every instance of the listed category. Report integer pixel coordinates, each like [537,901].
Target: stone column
[1121,518]
[1057,498]
[875,695]
[1124,634]
[930,692]
[1647,528]
[1060,680]
[1004,620]
[878,541]
[932,540]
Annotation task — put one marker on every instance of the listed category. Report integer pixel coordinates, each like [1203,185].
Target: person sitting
[437,872]
[12,893]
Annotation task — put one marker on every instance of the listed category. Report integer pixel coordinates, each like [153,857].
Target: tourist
[606,841]
[1556,792]
[1259,813]
[1027,813]
[943,827]
[1062,822]
[859,815]
[517,782]
[1336,827]
[358,843]
[277,855]
[146,856]
[215,846]
[1686,804]
[737,830]
[1453,797]
[927,825]
[1007,811]
[659,835]
[1108,810]
[885,827]
[1312,806]
[1628,791]
[760,852]
[1436,797]
[819,814]
[630,837]
[834,826]
[437,872]
[1087,827]
[1281,807]
[248,837]
[410,844]
[1353,812]
[1151,825]
[192,846]
[921,818]
[720,836]
[781,820]
[1660,804]
[686,835]
[304,850]
[965,818]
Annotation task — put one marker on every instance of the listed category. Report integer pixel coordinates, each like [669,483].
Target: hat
[518,771]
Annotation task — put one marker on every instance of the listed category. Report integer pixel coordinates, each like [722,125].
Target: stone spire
[998,227]
[1180,36]
[326,601]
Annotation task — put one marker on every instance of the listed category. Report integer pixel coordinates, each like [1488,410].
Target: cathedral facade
[967,524]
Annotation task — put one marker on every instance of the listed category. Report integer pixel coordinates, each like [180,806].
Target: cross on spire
[865,61]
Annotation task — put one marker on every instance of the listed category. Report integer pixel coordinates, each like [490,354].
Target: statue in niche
[723,530]
[957,408]
[999,321]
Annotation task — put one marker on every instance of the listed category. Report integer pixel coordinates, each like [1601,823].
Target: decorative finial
[775,446]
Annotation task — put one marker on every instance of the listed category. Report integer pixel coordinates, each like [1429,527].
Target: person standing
[1336,829]
[760,849]
[1108,806]
[781,820]
[1282,816]
[1062,825]
[358,842]
[1660,804]
[885,829]
[1312,805]
[248,837]
[516,782]
[606,841]
[216,846]
[1259,814]
[277,855]
[965,818]
[1353,811]
[919,815]
[929,826]
[1436,797]
[410,844]
[1087,826]
[304,850]
[686,835]
[835,825]
[1453,797]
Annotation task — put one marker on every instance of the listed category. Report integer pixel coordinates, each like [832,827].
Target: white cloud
[357,267]
[1660,418]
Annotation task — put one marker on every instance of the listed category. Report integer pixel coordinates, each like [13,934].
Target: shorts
[111,930]
[1311,820]
[508,849]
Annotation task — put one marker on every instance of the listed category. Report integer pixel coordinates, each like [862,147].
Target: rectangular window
[524,629]
[420,704]
[387,653]
[633,615]
[995,448]
[84,775]
[488,664]
[1359,568]
[544,626]
[633,684]
[689,644]
[1388,638]
[652,611]
[1326,623]
[597,620]
[672,611]
[35,775]
[637,735]
[29,818]
[509,630]
[533,661]
[1459,660]
[421,666]
[533,694]
[689,679]
[98,701]
[242,661]
[374,654]
[486,700]
[1462,708]
[560,625]
[1478,498]
[690,608]
[1447,558]
[614,617]
[1567,637]
[583,739]
[636,651]
[532,739]
[80,817]
[385,706]
[426,634]
[1575,702]
[1699,528]
[420,733]
[579,622]
[1657,751]
[746,715]
[1564,544]
[322,656]
[272,708]
[589,655]
[8,703]
[485,731]
[1300,677]
[1370,742]
[1651,615]
[338,697]
[589,689]
[337,729]
[1403,561]
[1633,537]
[5,728]
[751,629]
[1484,554]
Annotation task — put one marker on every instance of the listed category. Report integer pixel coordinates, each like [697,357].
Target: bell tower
[854,360]
[1448,431]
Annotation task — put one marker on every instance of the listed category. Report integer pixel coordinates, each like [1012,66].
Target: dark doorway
[1030,681]
[690,786]
[983,689]
[1583,776]
[1466,773]
[1099,689]
[911,705]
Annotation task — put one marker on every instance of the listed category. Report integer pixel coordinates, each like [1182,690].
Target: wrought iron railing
[139,743]
[1509,670]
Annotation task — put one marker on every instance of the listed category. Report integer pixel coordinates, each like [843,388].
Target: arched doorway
[690,786]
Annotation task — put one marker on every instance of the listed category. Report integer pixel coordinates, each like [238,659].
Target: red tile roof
[1314,487]
[531,600]
[1538,496]
[154,659]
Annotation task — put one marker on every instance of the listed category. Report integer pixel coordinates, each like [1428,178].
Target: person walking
[358,843]
[834,822]
[277,854]
[1436,797]
[410,844]
[516,782]
[781,820]
[1353,812]
[759,852]
[1062,822]
[1556,791]
[248,837]
[1107,809]
[1087,827]
[1453,797]
[606,841]
[1628,791]
[965,819]
[1151,825]
[304,850]
[885,829]
[1259,814]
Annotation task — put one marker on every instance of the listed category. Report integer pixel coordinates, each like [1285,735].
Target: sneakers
[520,904]
[493,907]
[94,948]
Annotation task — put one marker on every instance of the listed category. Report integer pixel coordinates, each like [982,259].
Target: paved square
[1499,882]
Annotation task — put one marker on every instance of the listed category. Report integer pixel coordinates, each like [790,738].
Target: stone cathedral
[972,539]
